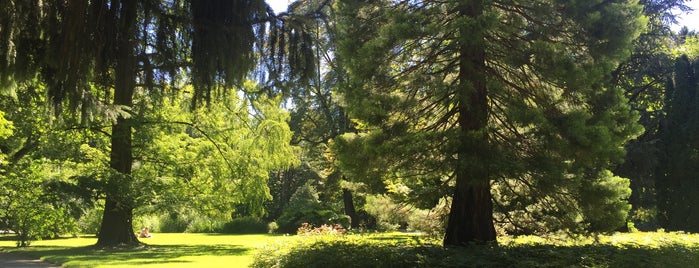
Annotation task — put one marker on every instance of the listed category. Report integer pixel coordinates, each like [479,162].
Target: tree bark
[471,216]
[350,210]
[117,228]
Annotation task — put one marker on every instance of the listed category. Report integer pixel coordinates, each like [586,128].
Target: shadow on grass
[159,254]
[13,237]
[571,256]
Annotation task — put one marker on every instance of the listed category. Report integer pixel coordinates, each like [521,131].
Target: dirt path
[13,260]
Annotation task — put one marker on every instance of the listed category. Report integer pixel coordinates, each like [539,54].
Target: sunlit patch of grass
[163,250]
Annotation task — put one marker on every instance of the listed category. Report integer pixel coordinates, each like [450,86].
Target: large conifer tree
[492,96]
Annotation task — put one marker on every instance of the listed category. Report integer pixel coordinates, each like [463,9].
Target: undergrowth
[619,250]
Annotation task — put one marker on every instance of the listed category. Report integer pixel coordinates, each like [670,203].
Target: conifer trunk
[350,210]
[471,215]
[116,228]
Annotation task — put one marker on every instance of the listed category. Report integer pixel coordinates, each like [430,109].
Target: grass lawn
[162,250]
[651,249]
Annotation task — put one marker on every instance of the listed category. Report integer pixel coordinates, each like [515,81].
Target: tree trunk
[350,211]
[471,215]
[117,228]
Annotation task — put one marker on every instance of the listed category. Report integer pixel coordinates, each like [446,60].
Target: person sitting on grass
[144,233]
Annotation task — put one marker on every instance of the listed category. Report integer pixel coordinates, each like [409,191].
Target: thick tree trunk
[117,228]
[471,216]
[350,210]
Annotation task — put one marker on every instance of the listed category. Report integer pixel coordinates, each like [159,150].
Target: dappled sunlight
[163,250]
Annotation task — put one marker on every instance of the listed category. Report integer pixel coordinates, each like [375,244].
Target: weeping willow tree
[95,55]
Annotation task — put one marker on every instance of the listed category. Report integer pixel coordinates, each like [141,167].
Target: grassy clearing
[163,250]
[655,249]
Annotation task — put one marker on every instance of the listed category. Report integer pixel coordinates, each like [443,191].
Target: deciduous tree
[94,56]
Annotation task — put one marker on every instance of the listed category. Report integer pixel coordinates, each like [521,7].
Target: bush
[325,229]
[290,221]
[172,223]
[304,207]
[391,216]
[89,223]
[355,251]
[272,227]
[245,225]
[204,225]
[150,221]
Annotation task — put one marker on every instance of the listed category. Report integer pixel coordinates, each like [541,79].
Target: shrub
[272,227]
[172,223]
[304,207]
[620,250]
[150,221]
[325,229]
[245,225]
[391,216]
[89,223]
[290,221]
[204,225]
[355,251]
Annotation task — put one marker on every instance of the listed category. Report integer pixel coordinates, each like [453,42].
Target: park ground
[642,249]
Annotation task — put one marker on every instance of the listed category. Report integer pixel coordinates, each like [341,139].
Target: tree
[41,199]
[93,56]
[486,96]
[214,160]
[644,76]
[317,117]
[677,182]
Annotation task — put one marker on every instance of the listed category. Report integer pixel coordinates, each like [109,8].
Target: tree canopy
[513,114]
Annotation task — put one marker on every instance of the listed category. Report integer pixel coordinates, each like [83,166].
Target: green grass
[163,250]
[657,249]
[654,249]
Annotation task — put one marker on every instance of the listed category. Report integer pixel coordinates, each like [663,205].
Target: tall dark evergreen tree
[678,177]
[492,96]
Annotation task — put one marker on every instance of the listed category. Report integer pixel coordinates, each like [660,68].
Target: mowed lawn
[162,250]
[641,249]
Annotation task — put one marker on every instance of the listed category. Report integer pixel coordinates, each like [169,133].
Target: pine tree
[486,97]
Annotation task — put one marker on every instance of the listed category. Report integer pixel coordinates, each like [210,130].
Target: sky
[691,20]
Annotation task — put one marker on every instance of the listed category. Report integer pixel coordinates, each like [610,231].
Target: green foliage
[245,225]
[677,176]
[181,222]
[25,206]
[89,222]
[172,223]
[629,250]
[45,171]
[5,127]
[391,216]
[213,161]
[523,105]
[304,207]
[604,202]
